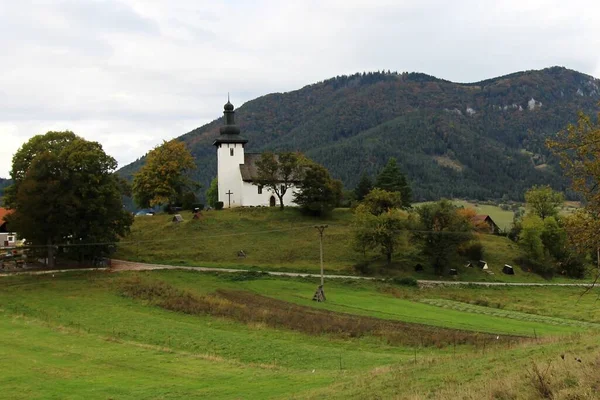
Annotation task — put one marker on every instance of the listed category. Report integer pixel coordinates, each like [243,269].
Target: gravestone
[418,268]
[453,271]
[177,218]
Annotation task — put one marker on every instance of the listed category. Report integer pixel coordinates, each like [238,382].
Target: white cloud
[130,73]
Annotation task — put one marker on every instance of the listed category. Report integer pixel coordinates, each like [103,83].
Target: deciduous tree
[543,201]
[379,201]
[382,231]
[442,231]
[578,147]
[163,179]
[65,192]
[279,172]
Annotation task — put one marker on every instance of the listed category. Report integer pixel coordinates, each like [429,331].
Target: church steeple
[230,132]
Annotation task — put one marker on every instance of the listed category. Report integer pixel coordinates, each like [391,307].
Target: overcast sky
[130,73]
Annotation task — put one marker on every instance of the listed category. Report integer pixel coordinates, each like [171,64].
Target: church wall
[229,176]
[251,197]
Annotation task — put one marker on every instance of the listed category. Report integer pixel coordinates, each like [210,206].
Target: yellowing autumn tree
[578,147]
[163,179]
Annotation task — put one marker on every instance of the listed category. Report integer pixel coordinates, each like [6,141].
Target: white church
[236,170]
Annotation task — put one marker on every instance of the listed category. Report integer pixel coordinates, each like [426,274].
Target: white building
[236,170]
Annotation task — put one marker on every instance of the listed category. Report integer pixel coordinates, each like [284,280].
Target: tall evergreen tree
[392,179]
[365,185]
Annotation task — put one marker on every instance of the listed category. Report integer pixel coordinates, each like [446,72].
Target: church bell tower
[230,154]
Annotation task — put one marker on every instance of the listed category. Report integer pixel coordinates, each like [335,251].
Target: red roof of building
[3,213]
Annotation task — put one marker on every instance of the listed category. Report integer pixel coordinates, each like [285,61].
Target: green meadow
[287,241]
[82,334]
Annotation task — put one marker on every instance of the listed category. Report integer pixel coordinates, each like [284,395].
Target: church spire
[230,132]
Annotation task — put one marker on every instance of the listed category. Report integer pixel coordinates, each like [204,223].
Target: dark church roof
[230,132]
[249,170]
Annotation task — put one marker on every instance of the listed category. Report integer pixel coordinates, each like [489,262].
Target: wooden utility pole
[320,293]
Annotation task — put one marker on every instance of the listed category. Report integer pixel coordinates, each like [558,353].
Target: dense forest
[479,140]
[3,184]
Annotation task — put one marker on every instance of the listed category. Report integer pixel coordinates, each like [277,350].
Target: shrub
[405,281]
[219,205]
[362,267]
[472,250]
[573,267]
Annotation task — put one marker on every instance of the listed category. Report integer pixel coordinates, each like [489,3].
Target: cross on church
[229,196]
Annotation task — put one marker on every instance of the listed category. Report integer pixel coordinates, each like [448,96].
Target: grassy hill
[151,335]
[288,241]
[479,140]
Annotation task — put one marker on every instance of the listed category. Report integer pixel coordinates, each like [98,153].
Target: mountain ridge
[475,140]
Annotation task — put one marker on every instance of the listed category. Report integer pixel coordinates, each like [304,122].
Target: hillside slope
[478,140]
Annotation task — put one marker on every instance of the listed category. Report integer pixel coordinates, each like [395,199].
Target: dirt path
[121,265]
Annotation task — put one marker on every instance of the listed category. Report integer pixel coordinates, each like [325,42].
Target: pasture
[287,241]
[183,334]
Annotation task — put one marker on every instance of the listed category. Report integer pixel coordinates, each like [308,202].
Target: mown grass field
[79,335]
[287,241]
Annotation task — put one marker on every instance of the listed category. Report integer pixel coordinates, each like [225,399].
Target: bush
[405,281]
[219,205]
[573,267]
[472,250]
[362,268]
[542,267]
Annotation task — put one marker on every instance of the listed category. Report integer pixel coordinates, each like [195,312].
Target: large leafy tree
[318,192]
[279,172]
[543,201]
[443,231]
[381,231]
[163,179]
[543,236]
[578,147]
[65,193]
[393,180]
[379,201]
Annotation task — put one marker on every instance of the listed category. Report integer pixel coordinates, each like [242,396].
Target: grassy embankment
[87,335]
[287,241]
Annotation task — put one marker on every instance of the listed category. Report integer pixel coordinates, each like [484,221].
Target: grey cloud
[106,16]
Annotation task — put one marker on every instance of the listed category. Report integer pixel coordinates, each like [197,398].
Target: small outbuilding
[469,265]
[453,271]
[482,264]
[508,270]
[485,224]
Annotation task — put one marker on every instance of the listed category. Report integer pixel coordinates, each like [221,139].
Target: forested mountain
[3,184]
[478,140]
